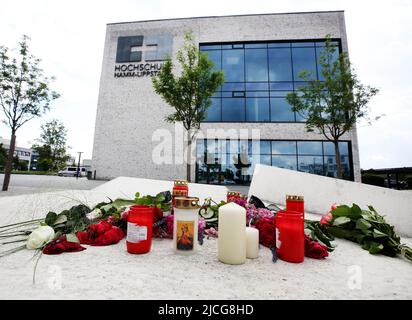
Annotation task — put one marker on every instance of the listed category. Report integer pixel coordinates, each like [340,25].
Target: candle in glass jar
[295,203]
[232,196]
[180,189]
[139,229]
[252,243]
[290,241]
[232,234]
[185,225]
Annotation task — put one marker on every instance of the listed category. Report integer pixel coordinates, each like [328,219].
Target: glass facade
[233,161]
[258,76]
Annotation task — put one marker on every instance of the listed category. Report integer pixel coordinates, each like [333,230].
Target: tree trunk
[337,155]
[188,158]
[9,162]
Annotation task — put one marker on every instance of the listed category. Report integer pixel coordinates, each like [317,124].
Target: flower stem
[25,225]
[16,234]
[7,252]
[14,241]
[21,223]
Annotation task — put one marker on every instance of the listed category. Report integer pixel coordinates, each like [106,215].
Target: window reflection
[256,65]
[233,65]
[285,162]
[280,110]
[214,111]
[311,164]
[280,64]
[304,59]
[233,161]
[261,70]
[310,147]
[257,109]
[233,109]
[283,147]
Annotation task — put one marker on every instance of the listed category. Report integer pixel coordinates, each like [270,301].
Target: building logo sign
[141,56]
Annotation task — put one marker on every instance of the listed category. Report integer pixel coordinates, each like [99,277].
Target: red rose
[113,236]
[99,228]
[266,227]
[169,225]
[157,214]
[101,234]
[61,245]
[314,249]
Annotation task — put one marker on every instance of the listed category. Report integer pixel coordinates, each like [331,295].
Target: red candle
[180,189]
[295,203]
[290,241]
[139,229]
[232,196]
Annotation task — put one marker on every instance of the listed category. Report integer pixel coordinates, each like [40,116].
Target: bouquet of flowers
[365,227]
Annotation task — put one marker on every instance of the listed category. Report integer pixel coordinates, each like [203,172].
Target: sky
[69,38]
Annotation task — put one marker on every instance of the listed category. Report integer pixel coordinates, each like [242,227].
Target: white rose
[40,237]
[96,213]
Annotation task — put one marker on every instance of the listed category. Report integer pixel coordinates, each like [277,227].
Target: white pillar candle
[252,243]
[232,234]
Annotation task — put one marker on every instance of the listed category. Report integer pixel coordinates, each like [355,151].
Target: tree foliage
[188,92]
[333,105]
[24,90]
[3,155]
[24,93]
[51,147]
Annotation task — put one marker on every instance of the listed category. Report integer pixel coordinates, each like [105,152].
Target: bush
[373,179]
[409,182]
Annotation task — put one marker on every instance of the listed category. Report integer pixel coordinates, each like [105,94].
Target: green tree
[24,94]
[189,91]
[20,165]
[51,147]
[333,105]
[3,155]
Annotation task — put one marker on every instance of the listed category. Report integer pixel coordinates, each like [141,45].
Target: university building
[261,57]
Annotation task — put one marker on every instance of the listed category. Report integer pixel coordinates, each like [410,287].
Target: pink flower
[241,202]
[326,219]
[201,225]
[211,232]
[253,214]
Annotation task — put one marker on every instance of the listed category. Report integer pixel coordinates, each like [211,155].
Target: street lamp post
[78,165]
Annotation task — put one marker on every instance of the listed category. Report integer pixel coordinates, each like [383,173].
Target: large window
[233,161]
[258,76]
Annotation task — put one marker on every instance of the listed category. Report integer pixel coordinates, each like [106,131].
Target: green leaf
[137,195]
[339,232]
[118,203]
[378,234]
[356,211]
[362,224]
[375,248]
[160,197]
[50,218]
[61,218]
[341,211]
[71,237]
[341,220]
